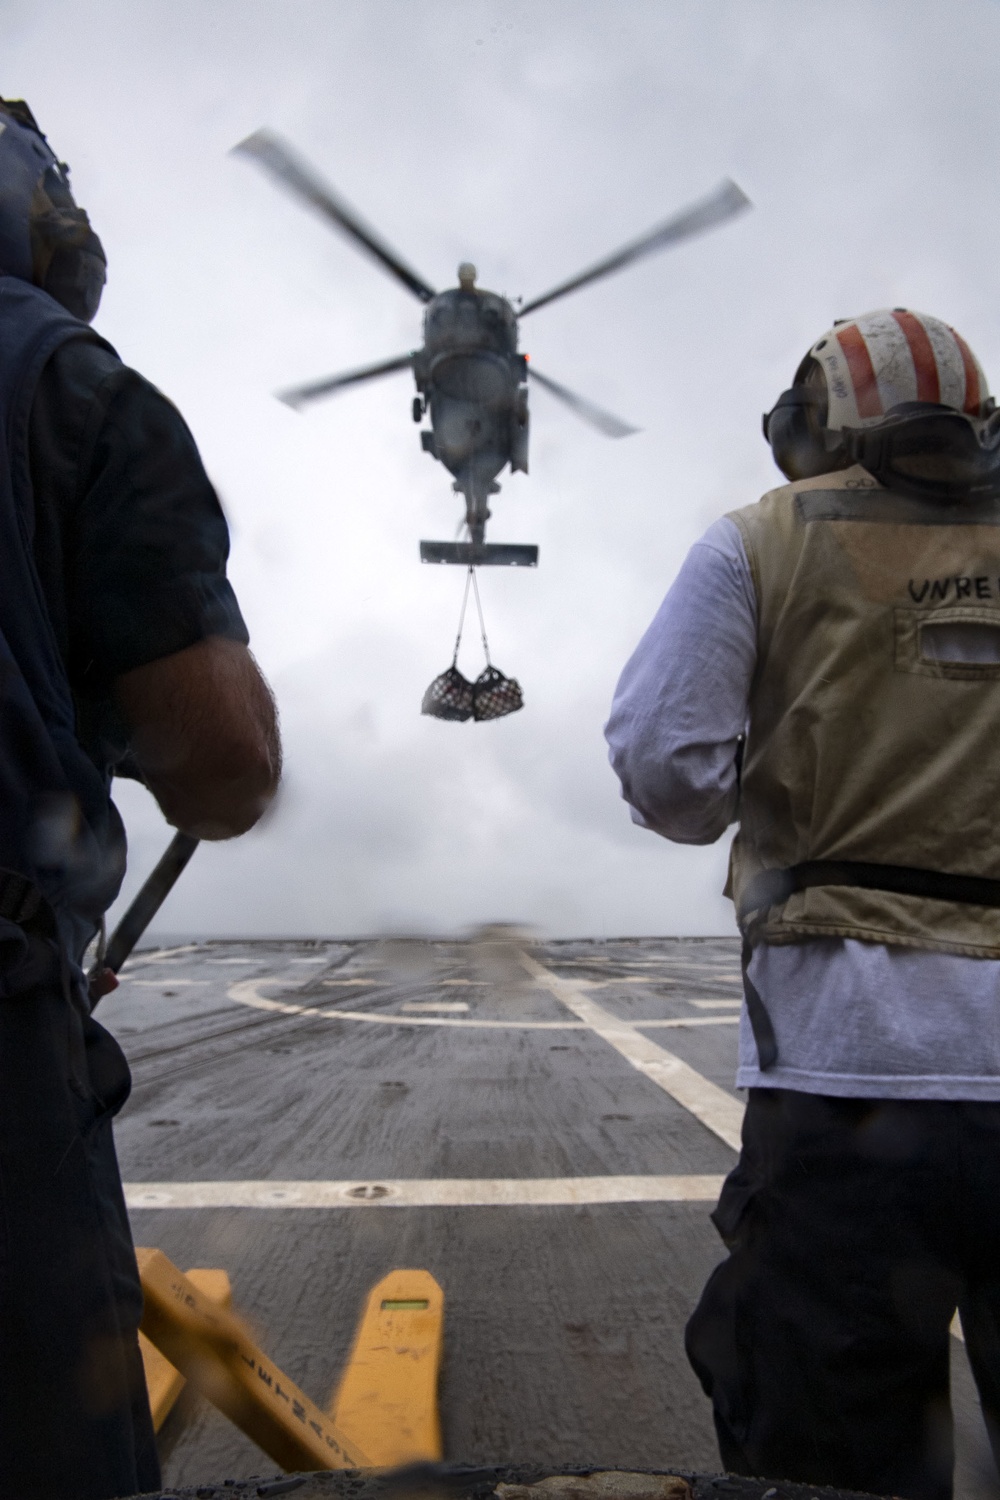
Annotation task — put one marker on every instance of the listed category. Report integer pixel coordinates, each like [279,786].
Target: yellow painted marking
[386,1400]
[164,1382]
[215,1351]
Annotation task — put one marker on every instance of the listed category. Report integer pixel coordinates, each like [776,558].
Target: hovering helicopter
[471,381]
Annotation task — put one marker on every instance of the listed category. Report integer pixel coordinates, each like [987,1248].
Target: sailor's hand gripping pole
[103,976]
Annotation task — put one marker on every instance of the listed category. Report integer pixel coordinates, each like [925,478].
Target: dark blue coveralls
[74,1420]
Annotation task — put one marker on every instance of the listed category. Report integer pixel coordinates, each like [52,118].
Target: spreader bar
[485,555]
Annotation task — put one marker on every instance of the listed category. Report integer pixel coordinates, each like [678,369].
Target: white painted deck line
[683,1022]
[159,955]
[717,1110]
[717,1004]
[247,992]
[429,1007]
[447,1192]
[159,984]
[606,984]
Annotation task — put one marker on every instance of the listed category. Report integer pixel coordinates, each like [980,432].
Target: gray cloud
[530,136]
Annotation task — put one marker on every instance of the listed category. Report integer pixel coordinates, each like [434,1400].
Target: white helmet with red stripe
[900,393]
[882,359]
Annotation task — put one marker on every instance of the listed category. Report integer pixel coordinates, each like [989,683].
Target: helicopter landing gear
[491,696]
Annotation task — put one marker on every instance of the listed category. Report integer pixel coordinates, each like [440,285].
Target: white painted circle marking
[247,992]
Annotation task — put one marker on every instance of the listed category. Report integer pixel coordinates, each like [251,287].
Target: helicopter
[471,380]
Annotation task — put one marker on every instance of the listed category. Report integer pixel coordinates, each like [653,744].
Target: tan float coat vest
[861,744]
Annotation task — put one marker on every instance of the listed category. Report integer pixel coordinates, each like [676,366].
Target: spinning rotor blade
[271,152]
[297,396]
[726,201]
[611,427]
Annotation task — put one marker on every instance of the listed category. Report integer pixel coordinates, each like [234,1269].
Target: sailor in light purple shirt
[865,1205]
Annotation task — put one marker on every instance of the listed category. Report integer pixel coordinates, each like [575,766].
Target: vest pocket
[960,641]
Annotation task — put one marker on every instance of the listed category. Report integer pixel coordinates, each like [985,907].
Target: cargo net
[449,696]
[491,696]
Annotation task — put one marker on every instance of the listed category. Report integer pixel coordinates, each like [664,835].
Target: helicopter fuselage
[473,384]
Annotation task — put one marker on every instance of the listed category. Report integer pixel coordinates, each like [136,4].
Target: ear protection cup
[801,447]
[68,260]
[45,238]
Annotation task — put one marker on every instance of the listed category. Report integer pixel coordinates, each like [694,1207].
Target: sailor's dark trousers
[74,1418]
[855,1229]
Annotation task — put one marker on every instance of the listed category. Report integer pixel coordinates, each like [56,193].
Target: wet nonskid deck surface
[544,1127]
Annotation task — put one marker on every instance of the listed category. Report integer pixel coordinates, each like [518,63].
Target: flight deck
[542,1126]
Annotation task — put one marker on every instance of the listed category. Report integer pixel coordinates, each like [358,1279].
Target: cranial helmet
[900,393]
[44,237]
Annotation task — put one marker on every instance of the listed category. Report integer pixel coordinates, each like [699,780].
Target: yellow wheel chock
[384,1411]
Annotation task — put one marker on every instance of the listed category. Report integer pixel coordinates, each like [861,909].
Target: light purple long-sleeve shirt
[852,1019]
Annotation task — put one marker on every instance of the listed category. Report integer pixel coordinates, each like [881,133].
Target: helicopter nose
[467,276]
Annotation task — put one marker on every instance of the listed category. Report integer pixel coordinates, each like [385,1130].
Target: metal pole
[143,909]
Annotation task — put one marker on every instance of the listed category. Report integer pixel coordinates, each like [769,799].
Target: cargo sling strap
[773,887]
[492,696]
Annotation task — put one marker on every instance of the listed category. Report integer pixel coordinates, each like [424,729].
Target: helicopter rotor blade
[294,173]
[299,395]
[595,416]
[727,200]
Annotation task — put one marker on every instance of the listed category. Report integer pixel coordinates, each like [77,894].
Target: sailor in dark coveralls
[121,646]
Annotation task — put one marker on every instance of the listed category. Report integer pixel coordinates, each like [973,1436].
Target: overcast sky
[530,136]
